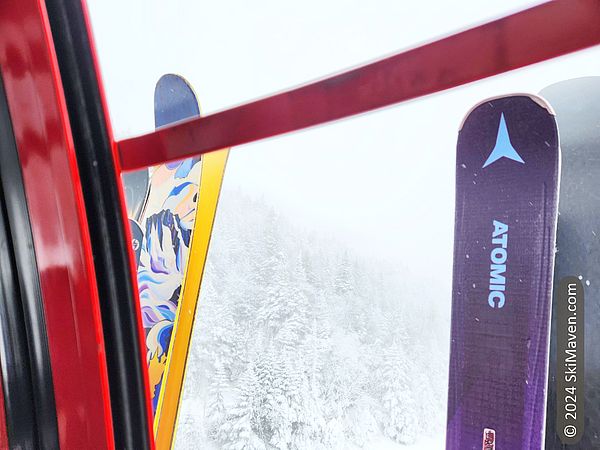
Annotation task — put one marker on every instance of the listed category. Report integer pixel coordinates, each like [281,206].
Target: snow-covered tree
[399,420]
[238,430]
[301,344]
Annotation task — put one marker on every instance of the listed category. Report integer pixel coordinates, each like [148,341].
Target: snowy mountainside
[302,344]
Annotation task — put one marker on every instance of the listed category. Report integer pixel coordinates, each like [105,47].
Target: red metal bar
[537,34]
[59,226]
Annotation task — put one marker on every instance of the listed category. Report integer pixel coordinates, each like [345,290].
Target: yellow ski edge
[211,179]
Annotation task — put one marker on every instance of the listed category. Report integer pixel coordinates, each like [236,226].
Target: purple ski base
[507,171]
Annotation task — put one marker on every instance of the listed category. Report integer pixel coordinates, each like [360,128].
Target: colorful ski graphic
[167,222]
[507,173]
[577,105]
[161,204]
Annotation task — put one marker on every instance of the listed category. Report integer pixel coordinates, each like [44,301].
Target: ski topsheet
[172,208]
[507,172]
[161,205]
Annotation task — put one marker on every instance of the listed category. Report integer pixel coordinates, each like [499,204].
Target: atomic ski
[507,172]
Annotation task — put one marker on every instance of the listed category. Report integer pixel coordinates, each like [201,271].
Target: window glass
[236,51]
[324,315]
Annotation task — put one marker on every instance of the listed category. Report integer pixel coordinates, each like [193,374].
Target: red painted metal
[543,32]
[126,226]
[59,226]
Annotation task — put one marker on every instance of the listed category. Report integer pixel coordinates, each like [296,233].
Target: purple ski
[507,172]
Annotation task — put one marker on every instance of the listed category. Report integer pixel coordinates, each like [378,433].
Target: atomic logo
[503,147]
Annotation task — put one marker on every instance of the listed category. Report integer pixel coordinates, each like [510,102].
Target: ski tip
[584,110]
[579,85]
[543,103]
[174,100]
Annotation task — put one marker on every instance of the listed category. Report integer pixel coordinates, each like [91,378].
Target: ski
[576,425]
[507,174]
[136,186]
[171,208]
[161,206]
